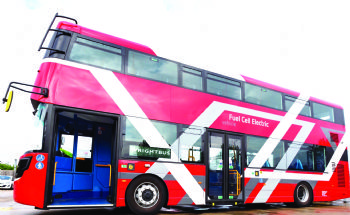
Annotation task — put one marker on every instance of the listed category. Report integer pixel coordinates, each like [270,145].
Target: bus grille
[341,175]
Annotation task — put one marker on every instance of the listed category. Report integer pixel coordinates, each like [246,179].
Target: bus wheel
[303,195]
[146,195]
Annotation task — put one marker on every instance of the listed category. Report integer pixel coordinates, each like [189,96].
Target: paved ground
[9,207]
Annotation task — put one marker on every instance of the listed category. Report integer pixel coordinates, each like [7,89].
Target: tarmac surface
[8,206]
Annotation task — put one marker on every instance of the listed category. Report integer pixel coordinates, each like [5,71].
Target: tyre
[146,195]
[303,195]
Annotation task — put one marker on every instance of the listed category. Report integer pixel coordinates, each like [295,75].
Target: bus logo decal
[39,165]
[40,157]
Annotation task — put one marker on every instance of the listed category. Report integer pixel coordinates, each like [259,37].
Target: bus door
[225,168]
[83,160]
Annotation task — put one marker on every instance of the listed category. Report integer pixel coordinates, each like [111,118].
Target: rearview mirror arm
[43,91]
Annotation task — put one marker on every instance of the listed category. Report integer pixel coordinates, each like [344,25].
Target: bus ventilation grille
[335,137]
[341,175]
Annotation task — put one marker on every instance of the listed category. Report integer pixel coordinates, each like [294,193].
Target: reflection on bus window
[289,101]
[192,79]
[274,160]
[83,154]
[323,112]
[309,158]
[263,96]
[223,87]
[152,67]
[254,145]
[215,153]
[235,156]
[67,144]
[134,146]
[84,147]
[96,54]
[191,146]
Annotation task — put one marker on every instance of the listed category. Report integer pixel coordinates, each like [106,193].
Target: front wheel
[303,195]
[146,195]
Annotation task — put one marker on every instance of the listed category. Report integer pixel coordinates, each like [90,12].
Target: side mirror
[9,101]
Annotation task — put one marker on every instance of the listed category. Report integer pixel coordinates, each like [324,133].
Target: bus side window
[84,159]
[263,96]
[222,86]
[309,158]
[64,154]
[192,79]
[254,145]
[323,112]
[96,54]
[191,145]
[66,146]
[152,67]
[135,146]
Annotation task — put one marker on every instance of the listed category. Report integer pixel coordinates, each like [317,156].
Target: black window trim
[239,84]
[100,48]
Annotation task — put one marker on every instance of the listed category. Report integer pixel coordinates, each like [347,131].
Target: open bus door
[84,154]
[225,170]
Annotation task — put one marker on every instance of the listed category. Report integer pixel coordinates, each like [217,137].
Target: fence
[7,172]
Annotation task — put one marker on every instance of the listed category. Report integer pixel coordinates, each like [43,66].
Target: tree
[4,166]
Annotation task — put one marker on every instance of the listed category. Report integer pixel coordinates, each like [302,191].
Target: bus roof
[105,37]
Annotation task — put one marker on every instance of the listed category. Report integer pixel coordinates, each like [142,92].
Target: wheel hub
[303,193]
[146,195]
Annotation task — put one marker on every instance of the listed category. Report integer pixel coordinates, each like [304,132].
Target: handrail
[54,174]
[190,156]
[235,172]
[110,170]
[49,29]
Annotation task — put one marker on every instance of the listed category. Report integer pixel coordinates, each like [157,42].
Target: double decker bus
[124,127]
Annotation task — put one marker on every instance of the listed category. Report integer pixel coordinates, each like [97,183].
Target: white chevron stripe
[130,108]
[281,129]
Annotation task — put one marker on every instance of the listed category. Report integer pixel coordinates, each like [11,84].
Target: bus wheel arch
[303,194]
[146,194]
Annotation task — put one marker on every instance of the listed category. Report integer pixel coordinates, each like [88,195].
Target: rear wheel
[146,195]
[303,195]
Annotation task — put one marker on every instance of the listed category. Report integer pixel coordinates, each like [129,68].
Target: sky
[300,45]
